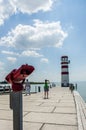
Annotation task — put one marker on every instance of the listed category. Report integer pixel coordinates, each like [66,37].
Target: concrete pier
[59,112]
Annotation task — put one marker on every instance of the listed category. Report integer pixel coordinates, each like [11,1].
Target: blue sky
[40,32]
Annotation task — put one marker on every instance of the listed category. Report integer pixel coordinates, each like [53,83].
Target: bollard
[9,89]
[76,86]
[4,89]
[35,89]
[39,90]
[11,100]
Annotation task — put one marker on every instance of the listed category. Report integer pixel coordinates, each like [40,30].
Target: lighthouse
[64,71]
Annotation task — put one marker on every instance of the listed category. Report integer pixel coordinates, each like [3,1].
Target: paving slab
[58,127]
[65,110]
[38,108]
[8,125]
[6,114]
[59,104]
[66,119]
[4,107]
[49,104]
[63,104]
[32,126]
[31,103]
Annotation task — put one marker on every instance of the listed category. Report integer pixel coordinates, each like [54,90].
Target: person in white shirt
[27,87]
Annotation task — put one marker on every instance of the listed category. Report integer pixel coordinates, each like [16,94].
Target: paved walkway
[56,113]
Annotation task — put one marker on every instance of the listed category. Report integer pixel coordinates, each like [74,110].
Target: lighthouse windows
[64,59]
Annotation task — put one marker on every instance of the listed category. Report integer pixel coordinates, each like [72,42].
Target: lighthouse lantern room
[64,71]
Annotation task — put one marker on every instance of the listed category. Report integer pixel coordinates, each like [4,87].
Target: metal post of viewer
[16,106]
[17,111]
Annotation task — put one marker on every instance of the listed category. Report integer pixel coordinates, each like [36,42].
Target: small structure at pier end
[64,71]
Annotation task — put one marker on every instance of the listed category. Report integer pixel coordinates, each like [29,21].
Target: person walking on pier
[27,87]
[71,87]
[46,90]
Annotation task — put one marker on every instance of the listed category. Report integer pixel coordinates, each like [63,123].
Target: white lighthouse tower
[64,71]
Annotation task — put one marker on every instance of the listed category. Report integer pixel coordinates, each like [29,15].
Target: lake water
[81,88]
[35,87]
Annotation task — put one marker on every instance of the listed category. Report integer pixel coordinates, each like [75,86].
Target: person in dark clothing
[46,89]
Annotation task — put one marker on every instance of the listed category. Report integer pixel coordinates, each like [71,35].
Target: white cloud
[28,6]
[31,53]
[10,7]
[41,34]
[44,60]
[12,59]
[2,71]
[6,9]
[1,65]
[9,52]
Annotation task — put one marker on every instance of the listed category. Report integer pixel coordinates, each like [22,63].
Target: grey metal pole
[17,111]
[39,90]
[35,89]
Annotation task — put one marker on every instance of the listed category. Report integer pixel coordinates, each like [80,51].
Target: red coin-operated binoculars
[17,76]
